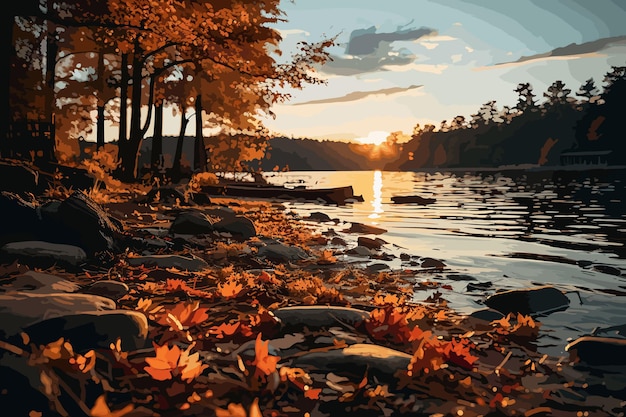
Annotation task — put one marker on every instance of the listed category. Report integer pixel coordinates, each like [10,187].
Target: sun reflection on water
[377,201]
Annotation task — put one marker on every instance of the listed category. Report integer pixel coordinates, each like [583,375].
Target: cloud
[286,32]
[358,95]
[572,50]
[368,51]
[429,68]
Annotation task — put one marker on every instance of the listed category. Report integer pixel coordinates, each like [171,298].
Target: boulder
[359,251]
[22,309]
[281,253]
[319,316]
[318,216]
[238,226]
[18,178]
[365,229]
[369,243]
[600,351]
[107,288]
[169,261]
[192,223]
[432,263]
[43,254]
[87,225]
[39,282]
[90,330]
[19,220]
[530,301]
[167,195]
[355,360]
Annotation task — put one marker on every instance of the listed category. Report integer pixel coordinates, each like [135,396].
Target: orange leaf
[101,409]
[312,393]
[264,362]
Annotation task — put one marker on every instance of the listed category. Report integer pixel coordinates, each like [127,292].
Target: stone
[19,220]
[479,286]
[365,229]
[90,330]
[18,178]
[167,195]
[282,253]
[107,288]
[150,244]
[87,225]
[43,254]
[169,261]
[432,263]
[319,316]
[201,198]
[359,251]
[39,282]
[600,351]
[318,216]
[355,360]
[487,314]
[22,309]
[530,301]
[238,225]
[192,223]
[369,243]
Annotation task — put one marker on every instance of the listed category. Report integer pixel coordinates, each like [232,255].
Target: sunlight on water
[377,202]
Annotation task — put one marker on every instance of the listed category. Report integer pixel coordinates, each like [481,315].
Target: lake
[514,230]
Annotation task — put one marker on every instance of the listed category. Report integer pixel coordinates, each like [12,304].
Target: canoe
[407,199]
[336,195]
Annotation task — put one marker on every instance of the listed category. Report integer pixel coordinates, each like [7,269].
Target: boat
[408,199]
[335,195]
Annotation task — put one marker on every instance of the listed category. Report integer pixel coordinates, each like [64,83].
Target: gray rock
[354,360]
[43,254]
[487,314]
[432,263]
[365,229]
[531,301]
[150,244]
[192,223]
[107,288]
[318,216]
[369,243]
[91,330]
[319,316]
[169,261]
[87,225]
[359,251]
[282,253]
[40,283]
[239,225]
[22,309]
[600,351]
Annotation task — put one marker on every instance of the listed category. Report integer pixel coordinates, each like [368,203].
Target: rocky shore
[162,303]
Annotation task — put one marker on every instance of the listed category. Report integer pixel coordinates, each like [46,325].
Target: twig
[13,349]
[506,358]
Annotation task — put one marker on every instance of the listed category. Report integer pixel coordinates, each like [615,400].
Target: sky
[402,62]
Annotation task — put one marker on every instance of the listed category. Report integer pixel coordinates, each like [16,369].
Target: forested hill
[315,155]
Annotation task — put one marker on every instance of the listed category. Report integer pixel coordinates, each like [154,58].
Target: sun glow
[374,138]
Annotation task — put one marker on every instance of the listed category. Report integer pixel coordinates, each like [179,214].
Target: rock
[375,268]
[282,253]
[365,229]
[201,199]
[369,243]
[531,301]
[619,329]
[319,316]
[107,288]
[607,269]
[19,389]
[43,254]
[38,282]
[150,244]
[432,263]
[87,225]
[479,286]
[169,261]
[487,314]
[220,211]
[318,216]
[192,223]
[90,330]
[18,177]
[354,360]
[19,310]
[19,220]
[412,199]
[599,351]
[338,241]
[238,225]
[359,251]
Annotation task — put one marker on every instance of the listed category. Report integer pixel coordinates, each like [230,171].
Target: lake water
[566,229]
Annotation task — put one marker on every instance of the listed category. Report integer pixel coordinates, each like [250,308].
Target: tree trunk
[157,138]
[124,99]
[199,154]
[178,156]
[130,151]
[100,128]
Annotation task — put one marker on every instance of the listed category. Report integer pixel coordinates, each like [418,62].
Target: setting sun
[374,138]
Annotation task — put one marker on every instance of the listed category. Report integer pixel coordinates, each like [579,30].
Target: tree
[589,91]
[557,94]
[526,100]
